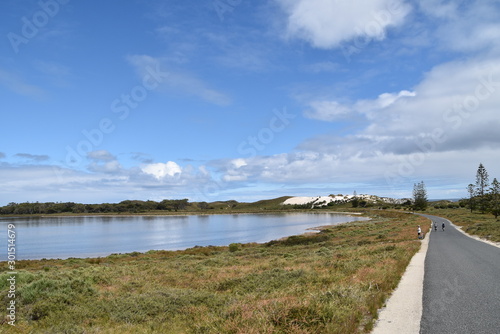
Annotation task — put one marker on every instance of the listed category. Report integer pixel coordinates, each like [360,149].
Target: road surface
[461,284]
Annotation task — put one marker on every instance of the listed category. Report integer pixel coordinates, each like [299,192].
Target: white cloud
[237,163]
[161,170]
[465,26]
[327,23]
[440,8]
[457,102]
[235,170]
[327,110]
[101,182]
[330,110]
[107,167]
[104,162]
[456,97]
[449,119]
[386,99]
[101,155]
[389,173]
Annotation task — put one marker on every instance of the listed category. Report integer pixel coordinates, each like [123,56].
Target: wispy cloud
[32,157]
[323,67]
[142,157]
[101,155]
[54,72]
[103,161]
[18,85]
[179,81]
[464,26]
[331,110]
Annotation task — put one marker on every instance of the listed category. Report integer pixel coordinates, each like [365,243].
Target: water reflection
[63,237]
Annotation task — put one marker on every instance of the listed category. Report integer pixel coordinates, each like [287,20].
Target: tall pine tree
[482,184]
[419,196]
[471,189]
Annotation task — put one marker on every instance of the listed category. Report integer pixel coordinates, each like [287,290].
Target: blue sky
[103,101]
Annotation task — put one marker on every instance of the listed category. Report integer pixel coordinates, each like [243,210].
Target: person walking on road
[442,226]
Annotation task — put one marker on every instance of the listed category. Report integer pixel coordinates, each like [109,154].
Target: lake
[94,236]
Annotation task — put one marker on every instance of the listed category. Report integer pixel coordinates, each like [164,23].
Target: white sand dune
[316,201]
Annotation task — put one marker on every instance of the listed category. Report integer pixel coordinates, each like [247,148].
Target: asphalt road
[461,284]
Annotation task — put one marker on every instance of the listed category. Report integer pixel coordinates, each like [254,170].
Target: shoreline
[308,231]
[192,213]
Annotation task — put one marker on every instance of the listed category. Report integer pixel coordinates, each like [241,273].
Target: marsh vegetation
[328,282]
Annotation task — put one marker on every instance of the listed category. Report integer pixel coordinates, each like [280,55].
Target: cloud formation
[161,170]
[330,110]
[465,26]
[328,23]
[32,157]
[405,136]
[101,155]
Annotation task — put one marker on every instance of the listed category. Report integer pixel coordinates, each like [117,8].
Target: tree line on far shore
[128,206]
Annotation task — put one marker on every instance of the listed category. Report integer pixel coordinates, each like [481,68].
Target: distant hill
[184,206]
[446,199]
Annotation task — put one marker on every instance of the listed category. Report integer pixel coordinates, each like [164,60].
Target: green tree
[482,184]
[495,198]
[419,196]
[471,189]
[355,200]
[203,205]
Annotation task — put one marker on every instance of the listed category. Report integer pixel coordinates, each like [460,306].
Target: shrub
[234,247]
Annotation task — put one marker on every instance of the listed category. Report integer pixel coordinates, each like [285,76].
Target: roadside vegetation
[476,223]
[479,213]
[333,281]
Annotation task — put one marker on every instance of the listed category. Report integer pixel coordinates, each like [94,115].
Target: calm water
[63,237]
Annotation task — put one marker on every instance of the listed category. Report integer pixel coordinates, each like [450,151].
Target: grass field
[483,225]
[329,282]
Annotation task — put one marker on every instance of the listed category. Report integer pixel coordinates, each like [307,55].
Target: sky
[104,101]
